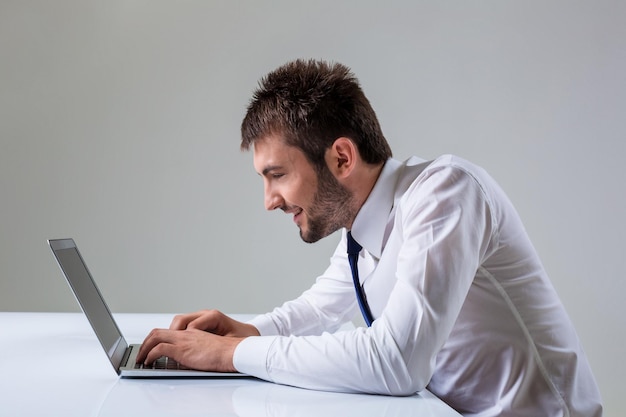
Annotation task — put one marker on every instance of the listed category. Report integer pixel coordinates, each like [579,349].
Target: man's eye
[276,176]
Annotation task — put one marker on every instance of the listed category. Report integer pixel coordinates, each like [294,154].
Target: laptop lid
[121,355]
[91,302]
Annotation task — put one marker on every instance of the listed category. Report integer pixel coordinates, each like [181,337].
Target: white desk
[69,375]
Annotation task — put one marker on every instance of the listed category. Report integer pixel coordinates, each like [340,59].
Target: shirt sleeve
[328,304]
[445,225]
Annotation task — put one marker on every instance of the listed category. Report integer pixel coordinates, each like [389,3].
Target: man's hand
[215,322]
[205,340]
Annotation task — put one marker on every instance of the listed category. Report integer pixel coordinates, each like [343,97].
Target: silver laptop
[121,355]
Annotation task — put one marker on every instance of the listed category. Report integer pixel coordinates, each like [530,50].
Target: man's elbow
[403,386]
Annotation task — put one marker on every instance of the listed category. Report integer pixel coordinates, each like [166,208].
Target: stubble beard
[332,208]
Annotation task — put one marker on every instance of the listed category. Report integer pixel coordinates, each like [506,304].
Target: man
[439,265]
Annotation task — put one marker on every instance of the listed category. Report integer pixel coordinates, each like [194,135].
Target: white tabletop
[52,364]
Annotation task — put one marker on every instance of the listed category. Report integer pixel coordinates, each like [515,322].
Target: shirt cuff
[250,356]
[265,325]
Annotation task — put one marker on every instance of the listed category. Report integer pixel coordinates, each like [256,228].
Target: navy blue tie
[353,255]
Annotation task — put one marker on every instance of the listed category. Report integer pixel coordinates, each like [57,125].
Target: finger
[162,349]
[154,338]
[207,320]
[181,321]
[216,322]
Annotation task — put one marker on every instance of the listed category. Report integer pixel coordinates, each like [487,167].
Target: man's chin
[307,238]
[312,236]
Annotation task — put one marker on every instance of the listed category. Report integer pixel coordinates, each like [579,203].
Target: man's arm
[205,340]
[324,307]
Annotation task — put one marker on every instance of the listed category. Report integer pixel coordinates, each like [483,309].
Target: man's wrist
[250,356]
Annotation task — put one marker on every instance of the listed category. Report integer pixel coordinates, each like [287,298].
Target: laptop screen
[88,295]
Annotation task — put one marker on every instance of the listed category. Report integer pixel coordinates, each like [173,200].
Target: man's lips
[296,211]
[296,215]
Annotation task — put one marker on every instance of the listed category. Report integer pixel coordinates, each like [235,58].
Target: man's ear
[341,157]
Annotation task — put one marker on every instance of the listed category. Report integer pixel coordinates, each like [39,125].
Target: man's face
[319,203]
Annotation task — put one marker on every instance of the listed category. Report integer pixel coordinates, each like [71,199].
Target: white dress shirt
[462,305]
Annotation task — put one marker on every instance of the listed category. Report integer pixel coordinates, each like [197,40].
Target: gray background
[119,127]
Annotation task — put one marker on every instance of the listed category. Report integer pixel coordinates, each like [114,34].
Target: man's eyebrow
[269,169]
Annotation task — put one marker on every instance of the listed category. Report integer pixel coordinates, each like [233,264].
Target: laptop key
[162,363]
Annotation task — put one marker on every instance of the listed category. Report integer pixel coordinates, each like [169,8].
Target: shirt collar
[370,223]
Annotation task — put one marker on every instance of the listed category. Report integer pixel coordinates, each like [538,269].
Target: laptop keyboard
[162,363]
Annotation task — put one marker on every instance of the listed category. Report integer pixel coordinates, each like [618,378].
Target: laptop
[120,353]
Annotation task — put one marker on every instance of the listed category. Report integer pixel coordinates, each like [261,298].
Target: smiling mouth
[296,215]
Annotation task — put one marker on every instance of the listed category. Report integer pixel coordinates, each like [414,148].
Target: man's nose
[273,200]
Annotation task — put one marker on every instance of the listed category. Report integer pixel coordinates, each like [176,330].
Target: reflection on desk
[58,368]
[254,398]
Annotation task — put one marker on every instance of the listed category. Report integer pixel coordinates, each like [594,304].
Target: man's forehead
[273,152]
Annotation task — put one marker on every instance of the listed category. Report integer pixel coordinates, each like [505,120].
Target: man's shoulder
[452,161]
[444,172]
[414,168]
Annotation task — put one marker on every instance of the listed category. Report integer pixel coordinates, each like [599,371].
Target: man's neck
[363,185]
